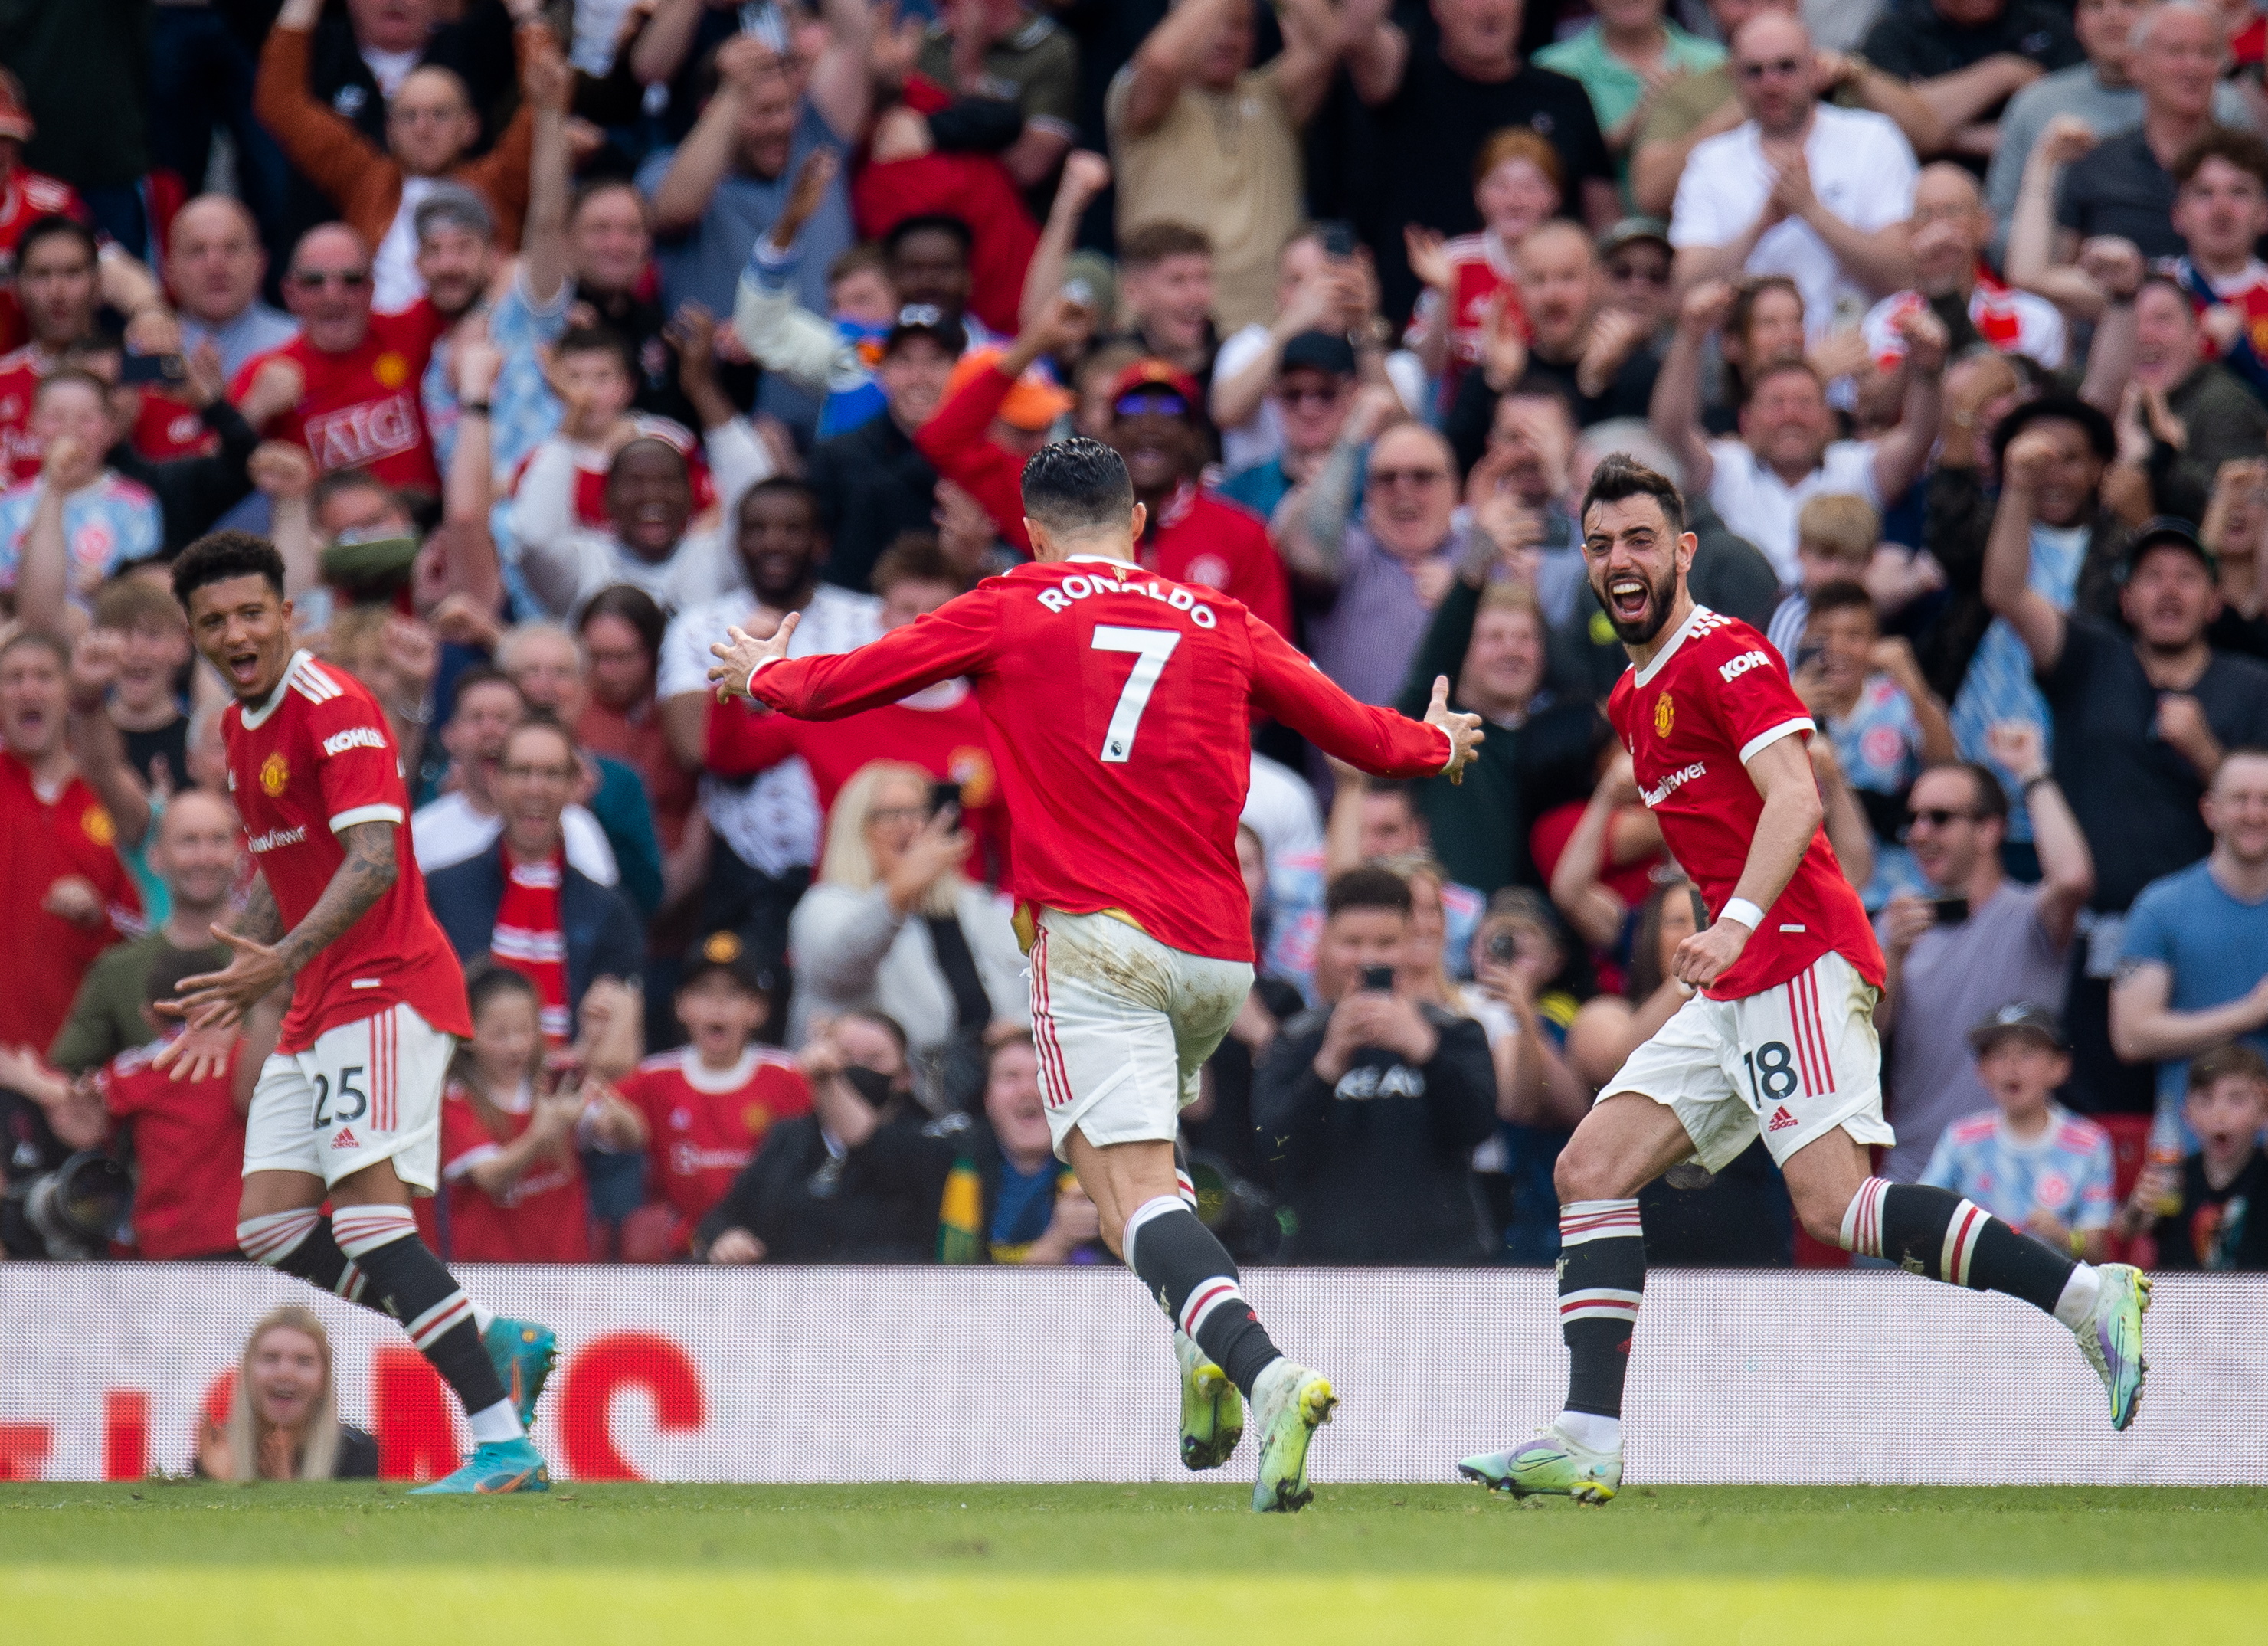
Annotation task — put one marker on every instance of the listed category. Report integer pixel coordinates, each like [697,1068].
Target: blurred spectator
[284,1419]
[215,266]
[2100,92]
[1967,58]
[431,126]
[1318,297]
[1787,451]
[2221,206]
[610,239]
[1165,288]
[949,218]
[926,258]
[1369,586]
[891,925]
[68,894]
[1517,489]
[1491,639]
[940,729]
[1625,57]
[1951,230]
[80,517]
[2184,414]
[546,663]
[1815,192]
[860,1179]
[194,850]
[58,288]
[1520,969]
[995,48]
[873,483]
[1200,137]
[2193,963]
[2028,1160]
[1434,109]
[464,823]
[765,834]
[620,632]
[1835,536]
[2209,1212]
[1517,183]
[1866,693]
[1369,1107]
[721,187]
[1311,395]
[25,197]
[522,899]
[1638,262]
[209,459]
[1036,1213]
[703,1111]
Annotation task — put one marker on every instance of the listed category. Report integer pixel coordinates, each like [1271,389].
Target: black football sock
[1937,1233]
[438,1317]
[1601,1278]
[300,1243]
[1195,1281]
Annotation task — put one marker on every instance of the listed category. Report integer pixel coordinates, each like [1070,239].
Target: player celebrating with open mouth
[1118,706]
[1780,1038]
[348,1107]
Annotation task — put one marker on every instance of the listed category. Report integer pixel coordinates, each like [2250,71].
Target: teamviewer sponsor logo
[1672,783]
[277,837]
[353,737]
[1730,672]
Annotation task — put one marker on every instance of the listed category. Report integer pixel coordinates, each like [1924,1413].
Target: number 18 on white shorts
[1789,1065]
[365,1092]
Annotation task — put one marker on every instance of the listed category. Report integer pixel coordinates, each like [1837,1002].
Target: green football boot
[1212,1411]
[1554,1465]
[1291,1403]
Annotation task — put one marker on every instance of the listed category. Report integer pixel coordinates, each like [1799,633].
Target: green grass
[190,1562]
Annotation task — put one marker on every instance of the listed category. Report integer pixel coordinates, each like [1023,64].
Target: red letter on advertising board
[414,1440]
[125,1434]
[623,1360]
[24,1450]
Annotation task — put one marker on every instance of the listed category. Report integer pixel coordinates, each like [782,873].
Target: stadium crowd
[546,341]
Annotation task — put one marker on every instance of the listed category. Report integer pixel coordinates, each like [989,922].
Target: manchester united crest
[276,775]
[1665,715]
[95,823]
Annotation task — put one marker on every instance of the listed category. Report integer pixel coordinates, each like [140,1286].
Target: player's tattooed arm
[261,921]
[369,872]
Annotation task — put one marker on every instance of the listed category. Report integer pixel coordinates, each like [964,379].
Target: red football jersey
[1691,718]
[591,466]
[945,738]
[167,428]
[542,1217]
[25,198]
[1131,803]
[314,758]
[705,1124]
[44,839]
[188,1143]
[361,409]
[21,373]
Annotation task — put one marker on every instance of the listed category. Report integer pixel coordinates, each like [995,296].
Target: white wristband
[1747,912]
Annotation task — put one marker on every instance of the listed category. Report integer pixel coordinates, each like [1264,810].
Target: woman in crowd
[283,1417]
[621,630]
[1764,326]
[891,925]
[1519,181]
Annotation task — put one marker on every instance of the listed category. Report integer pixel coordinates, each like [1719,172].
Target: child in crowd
[591,366]
[1519,182]
[1869,695]
[1835,539]
[2030,1162]
[509,1133]
[701,1111]
[145,703]
[102,520]
[2211,1211]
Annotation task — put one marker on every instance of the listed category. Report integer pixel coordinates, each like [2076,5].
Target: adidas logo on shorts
[345,1139]
[1781,1120]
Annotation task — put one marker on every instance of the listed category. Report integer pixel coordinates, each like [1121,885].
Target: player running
[1118,706]
[1780,1040]
[348,1107]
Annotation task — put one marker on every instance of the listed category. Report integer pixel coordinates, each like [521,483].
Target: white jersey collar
[254,717]
[1685,631]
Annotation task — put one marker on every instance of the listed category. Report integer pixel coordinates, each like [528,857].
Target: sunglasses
[1383,478]
[316,279]
[1155,402]
[1652,273]
[1938,817]
[1292,396]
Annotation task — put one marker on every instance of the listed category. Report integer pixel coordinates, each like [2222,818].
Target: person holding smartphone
[1368,1108]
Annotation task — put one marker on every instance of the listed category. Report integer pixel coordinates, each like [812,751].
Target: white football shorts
[1790,1064]
[1124,1025]
[365,1092]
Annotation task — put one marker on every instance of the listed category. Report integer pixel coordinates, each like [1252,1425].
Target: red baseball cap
[15,119]
[1164,375]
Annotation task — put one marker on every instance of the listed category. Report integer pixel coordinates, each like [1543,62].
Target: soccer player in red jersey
[349,1105]
[1118,706]
[1777,1036]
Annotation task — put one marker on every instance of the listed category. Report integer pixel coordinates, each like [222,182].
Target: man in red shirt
[348,1109]
[351,376]
[26,197]
[67,895]
[1117,704]
[704,1108]
[1777,1038]
[1157,427]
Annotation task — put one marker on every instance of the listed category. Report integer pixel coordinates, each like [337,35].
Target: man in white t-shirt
[1786,453]
[465,822]
[1801,188]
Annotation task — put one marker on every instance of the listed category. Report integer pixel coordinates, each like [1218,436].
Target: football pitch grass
[187,1563]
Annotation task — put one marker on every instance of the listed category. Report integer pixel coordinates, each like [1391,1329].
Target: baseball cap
[2167,531]
[1319,351]
[15,119]
[456,206]
[2018,1016]
[926,320]
[1032,402]
[724,951]
[1151,379]
[1633,230]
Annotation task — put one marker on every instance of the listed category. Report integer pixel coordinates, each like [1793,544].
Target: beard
[1660,596]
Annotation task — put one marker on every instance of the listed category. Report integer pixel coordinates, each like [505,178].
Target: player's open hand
[195,1054]
[740,654]
[1465,733]
[218,1000]
[1706,956]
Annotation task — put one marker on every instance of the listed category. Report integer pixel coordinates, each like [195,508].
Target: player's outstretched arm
[1781,771]
[956,639]
[1291,688]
